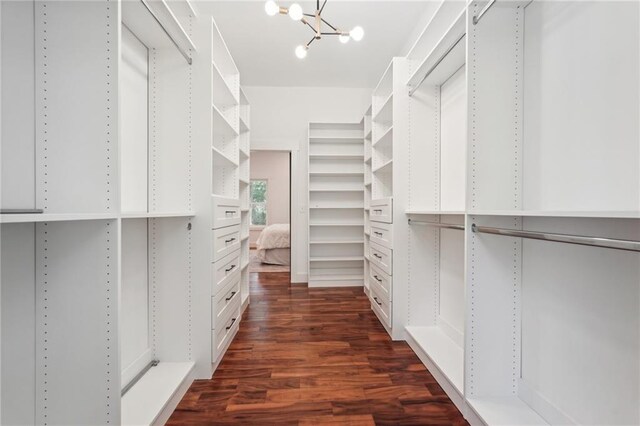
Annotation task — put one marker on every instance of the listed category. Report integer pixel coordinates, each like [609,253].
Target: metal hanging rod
[628,245]
[138,376]
[153,14]
[436,225]
[476,18]
[440,59]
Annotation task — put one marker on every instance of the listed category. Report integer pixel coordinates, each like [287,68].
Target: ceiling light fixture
[295,12]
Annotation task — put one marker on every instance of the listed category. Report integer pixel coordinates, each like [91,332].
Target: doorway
[270,211]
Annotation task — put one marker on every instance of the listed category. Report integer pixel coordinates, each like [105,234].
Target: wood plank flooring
[315,357]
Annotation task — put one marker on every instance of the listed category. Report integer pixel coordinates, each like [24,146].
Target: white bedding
[274,237]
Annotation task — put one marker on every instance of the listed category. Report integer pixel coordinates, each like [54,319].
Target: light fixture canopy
[296,13]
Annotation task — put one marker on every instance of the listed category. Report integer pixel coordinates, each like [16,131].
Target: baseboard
[299,278]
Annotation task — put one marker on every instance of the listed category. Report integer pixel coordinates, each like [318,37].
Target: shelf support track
[175,43]
[139,376]
[436,225]
[610,243]
[434,66]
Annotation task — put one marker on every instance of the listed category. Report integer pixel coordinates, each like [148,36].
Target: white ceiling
[263,46]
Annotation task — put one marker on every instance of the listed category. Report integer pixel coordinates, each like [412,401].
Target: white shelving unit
[245,154]
[336,204]
[511,327]
[388,169]
[366,120]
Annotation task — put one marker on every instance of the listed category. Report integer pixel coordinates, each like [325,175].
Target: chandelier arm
[332,27]
[309,15]
[334,33]
[311,41]
[323,5]
[318,5]
[304,21]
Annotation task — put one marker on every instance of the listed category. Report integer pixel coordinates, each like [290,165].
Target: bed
[274,245]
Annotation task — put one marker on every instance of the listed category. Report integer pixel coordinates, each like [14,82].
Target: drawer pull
[377,255]
[378,233]
[233,320]
[229,240]
[376,299]
[377,210]
[230,269]
[233,293]
[228,212]
[377,279]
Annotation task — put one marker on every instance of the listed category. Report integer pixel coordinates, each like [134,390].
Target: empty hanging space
[554,123]
[544,313]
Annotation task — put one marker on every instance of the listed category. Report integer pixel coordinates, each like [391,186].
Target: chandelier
[295,12]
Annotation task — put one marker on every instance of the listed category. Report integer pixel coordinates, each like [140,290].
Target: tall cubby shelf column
[227,232]
[336,203]
[367,196]
[389,168]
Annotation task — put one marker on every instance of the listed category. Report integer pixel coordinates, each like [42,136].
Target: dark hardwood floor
[315,356]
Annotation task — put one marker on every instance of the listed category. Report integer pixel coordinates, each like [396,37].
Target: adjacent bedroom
[270,204]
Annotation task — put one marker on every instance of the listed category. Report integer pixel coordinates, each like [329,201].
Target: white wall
[274,167]
[279,121]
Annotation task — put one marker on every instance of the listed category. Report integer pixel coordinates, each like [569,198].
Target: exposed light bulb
[295,12]
[357,33]
[344,38]
[271,7]
[301,51]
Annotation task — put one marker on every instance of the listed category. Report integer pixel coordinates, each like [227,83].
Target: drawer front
[382,233]
[382,210]
[226,212]
[381,281]
[381,257]
[223,333]
[225,270]
[380,306]
[225,241]
[225,300]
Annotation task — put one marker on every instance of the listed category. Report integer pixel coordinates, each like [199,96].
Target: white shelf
[155,396]
[336,277]
[336,139]
[336,259]
[245,266]
[434,212]
[221,125]
[221,159]
[384,168]
[337,206]
[336,224]
[221,88]
[346,174]
[543,213]
[244,153]
[54,217]
[385,139]
[243,180]
[337,242]
[336,190]
[244,238]
[440,349]
[153,215]
[367,160]
[335,157]
[505,411]
[385,114]
[244,126]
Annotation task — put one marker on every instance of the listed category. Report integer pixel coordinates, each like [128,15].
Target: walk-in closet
[452,235]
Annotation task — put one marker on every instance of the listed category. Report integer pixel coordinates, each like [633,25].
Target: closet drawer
[381,257]
[382,233]
[381,306]
[225,241]
[225,300]
[382,282]
[382,210]
[224,271]
[221,337]
[226,212]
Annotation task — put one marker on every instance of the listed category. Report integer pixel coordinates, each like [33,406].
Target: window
[258,202]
